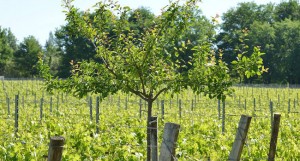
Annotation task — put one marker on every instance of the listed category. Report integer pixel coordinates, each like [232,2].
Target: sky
[40,17]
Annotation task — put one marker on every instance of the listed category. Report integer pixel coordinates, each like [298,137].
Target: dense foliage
[275,28]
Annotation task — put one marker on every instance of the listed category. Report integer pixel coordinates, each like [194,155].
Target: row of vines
[121,133]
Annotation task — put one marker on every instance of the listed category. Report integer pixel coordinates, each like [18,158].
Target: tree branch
[161,91]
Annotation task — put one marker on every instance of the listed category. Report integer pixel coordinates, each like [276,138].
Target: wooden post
[240,138]
[8,105]
[179,108]
[219,109]
[91,108]
[56,148]
[141,105]
[271,111]
[192,105]
[153,138]
[274,136]
[297,98]
[168,146]
[62,97]
[254,105]
[157,104]
[57,103]
[259,101]
[97,114]
[41,109]
[35,101]
[289,106]
[245,105]
[162,109]
[51,104]
[278,100]
[126,102]
[177,101]
[223,117]
[16,114]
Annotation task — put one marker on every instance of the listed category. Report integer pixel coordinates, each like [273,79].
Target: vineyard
[207,131]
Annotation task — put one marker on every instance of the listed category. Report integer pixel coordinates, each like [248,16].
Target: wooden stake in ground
[56,148]
[153,137]
[274,136]
[240,138]
[168,146]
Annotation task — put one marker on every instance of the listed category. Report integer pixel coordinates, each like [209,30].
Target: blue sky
[39,17]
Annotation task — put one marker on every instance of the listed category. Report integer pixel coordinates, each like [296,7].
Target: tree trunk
[150,103]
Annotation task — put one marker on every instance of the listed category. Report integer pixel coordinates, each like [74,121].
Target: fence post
[179,108]
[271,111]
[97,114]
[274,136]
[240,138]
[62,97]
[153,138]
[8,105]
[56,148]
[223,117]
[289,106]
[141,105]
[278,99]
[219,109]
[294,103]
[41,109]
[126,102]
[192,105]
[57,103]
[162,109]
[245,105]
[16,114]
[168,146]
[91,108]
[35,101]
[254,104]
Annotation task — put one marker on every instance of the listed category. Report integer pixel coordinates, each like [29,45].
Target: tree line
[275,28]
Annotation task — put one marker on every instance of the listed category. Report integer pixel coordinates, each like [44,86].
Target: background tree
[287,10]
[8,45]
[26,57]
[52,54]
[235,21]
[273,28]
[72,48]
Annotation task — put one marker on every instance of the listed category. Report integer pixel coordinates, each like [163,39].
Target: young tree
[141,64]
